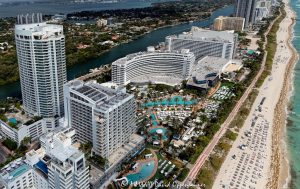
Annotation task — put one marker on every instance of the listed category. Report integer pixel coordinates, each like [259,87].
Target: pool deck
[170,100]
[154,158]
[202,104]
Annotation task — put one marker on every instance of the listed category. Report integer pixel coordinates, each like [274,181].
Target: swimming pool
[13,120]
[20,170]
[42,166]
[164,131]
[153,120]
[146,170]
[175,100]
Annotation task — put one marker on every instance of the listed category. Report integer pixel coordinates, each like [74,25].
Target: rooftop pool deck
[42,166]
[13,120]
[19,171]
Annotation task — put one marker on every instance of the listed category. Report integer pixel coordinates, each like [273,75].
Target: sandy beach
[280,173]
[257,157]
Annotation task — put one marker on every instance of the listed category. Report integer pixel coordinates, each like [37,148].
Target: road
[209,148]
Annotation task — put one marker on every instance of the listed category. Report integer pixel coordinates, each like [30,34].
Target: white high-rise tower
[100,115]
[42,66]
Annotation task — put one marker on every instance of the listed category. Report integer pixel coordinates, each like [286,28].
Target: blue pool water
[20,170]
[146,171]
[175,100]
[42,166]
[13,120]
[153,131]
[153,120]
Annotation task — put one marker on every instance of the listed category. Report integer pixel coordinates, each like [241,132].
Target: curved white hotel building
[153,66]
[204,42]
[42,66]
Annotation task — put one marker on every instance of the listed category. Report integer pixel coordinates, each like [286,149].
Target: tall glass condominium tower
[42,67]
[246,9]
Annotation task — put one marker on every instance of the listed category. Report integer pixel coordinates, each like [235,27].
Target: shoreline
[280,176]
[266,150]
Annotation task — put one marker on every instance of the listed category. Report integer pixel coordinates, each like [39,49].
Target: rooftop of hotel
[129,57]
[41,168]
[122,152]
[17,116]
[96,93]
[39,31]
[59,143]
[207,35]
[230,18]
[16,119]
[207,67]
[158,79]
[64,153]
[95,174]
[13,170]
[59,133]
[234,65]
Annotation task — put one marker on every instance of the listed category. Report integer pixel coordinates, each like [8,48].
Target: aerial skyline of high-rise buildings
[97,123]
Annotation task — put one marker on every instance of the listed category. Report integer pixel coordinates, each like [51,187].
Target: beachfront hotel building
[42,66]
[229,23]
[246,9]
[204,42]
[153,66]
[100,115]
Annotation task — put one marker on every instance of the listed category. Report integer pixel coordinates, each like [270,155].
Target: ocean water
[293,126]
[11,8]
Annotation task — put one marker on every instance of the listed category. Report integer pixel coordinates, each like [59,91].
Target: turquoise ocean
[293,126]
